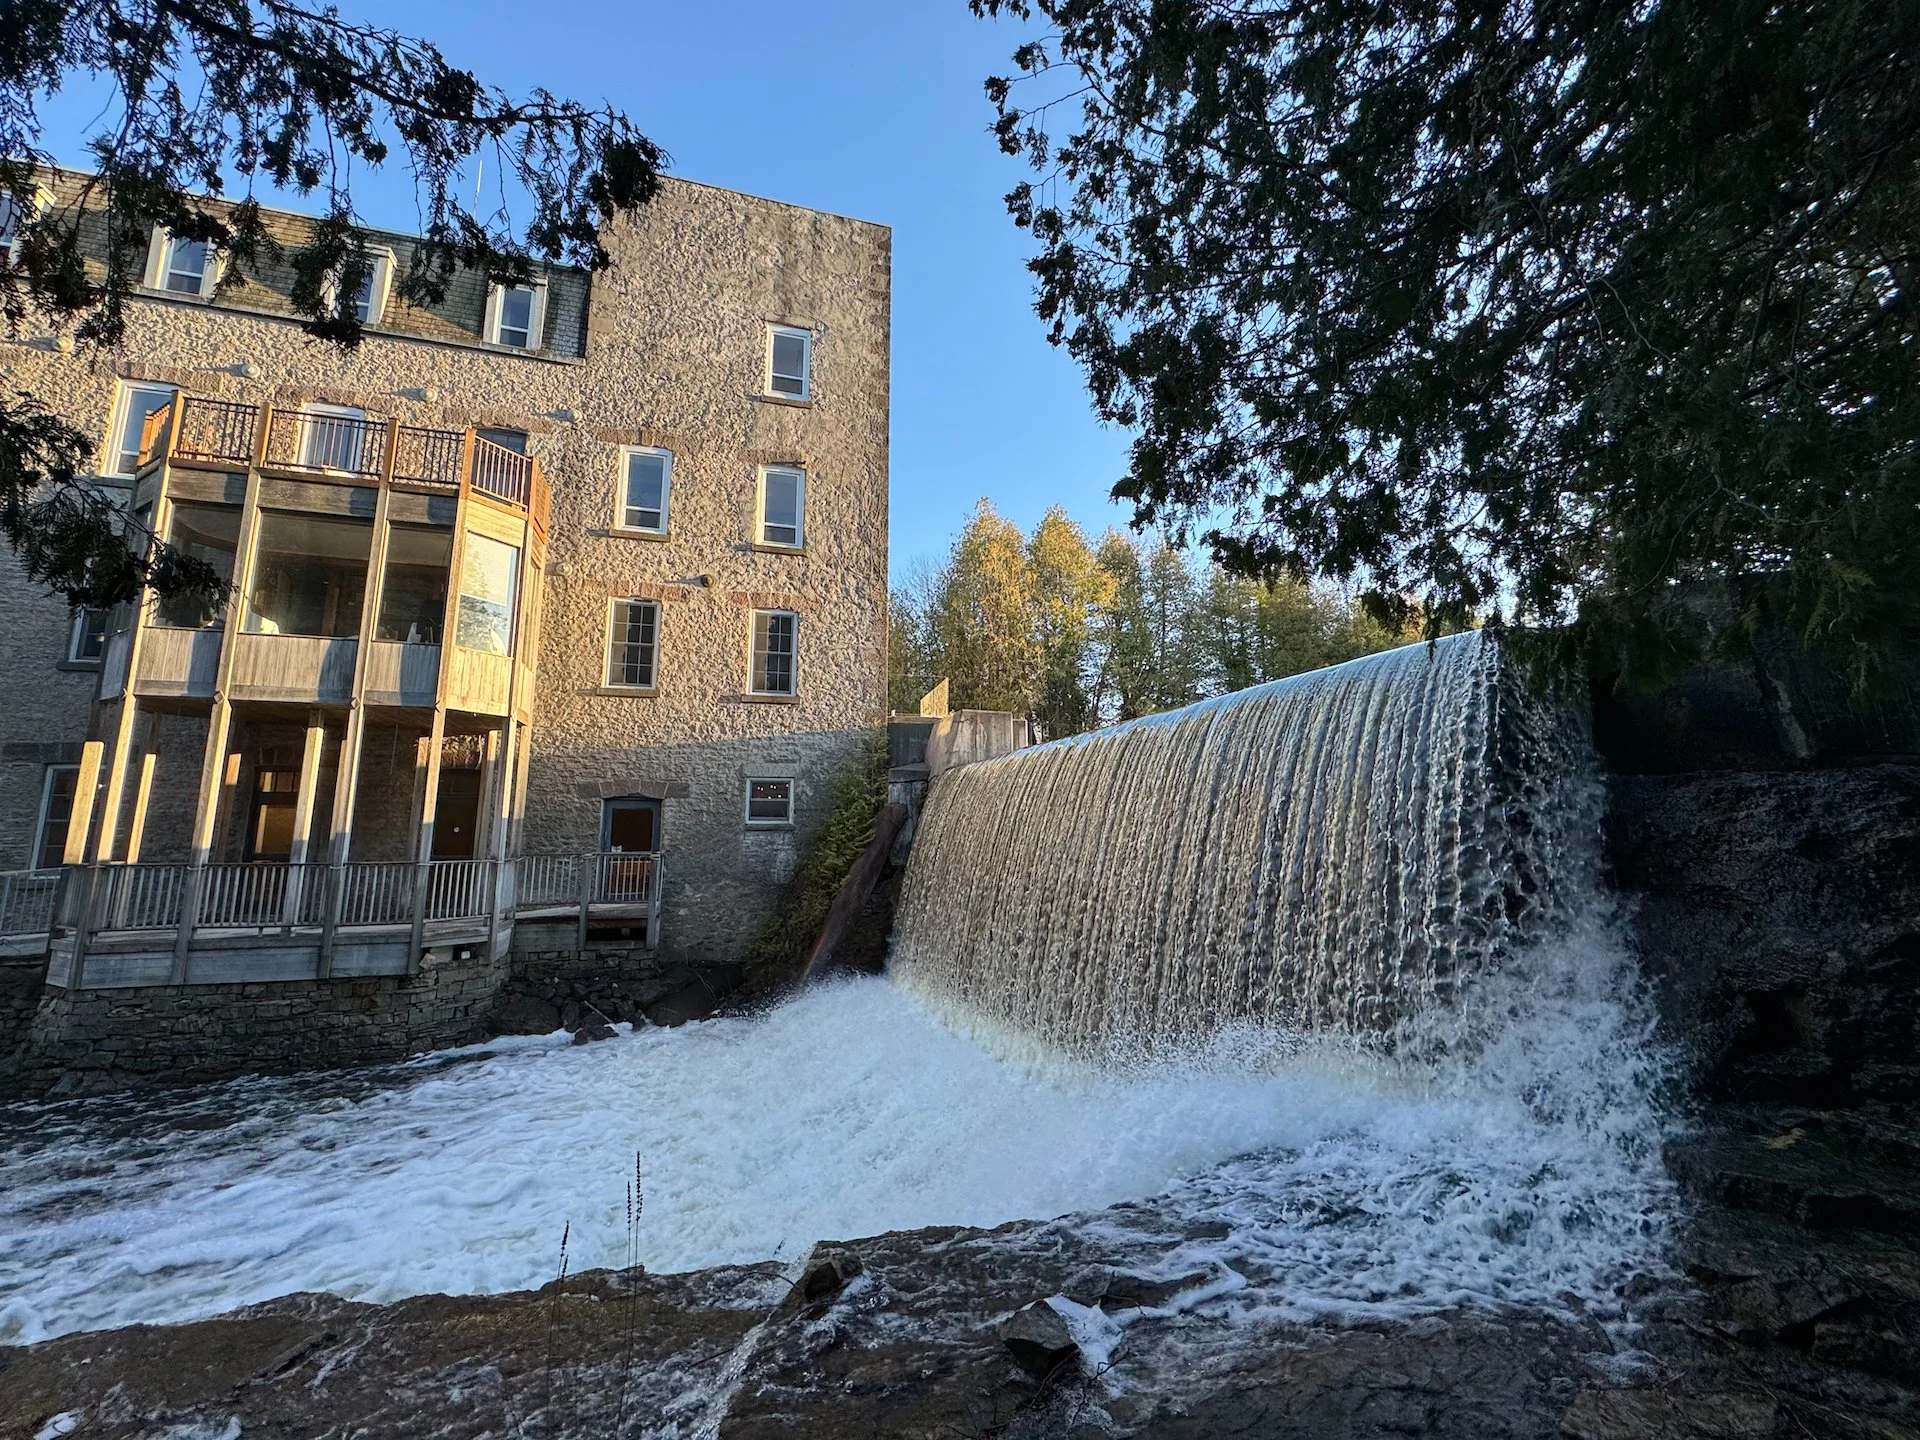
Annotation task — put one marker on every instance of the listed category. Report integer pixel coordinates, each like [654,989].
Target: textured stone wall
[674,355]
[20,990]
[98,1039]
[548,989]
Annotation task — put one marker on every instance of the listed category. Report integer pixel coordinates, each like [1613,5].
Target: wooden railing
[502,474]
[80,904]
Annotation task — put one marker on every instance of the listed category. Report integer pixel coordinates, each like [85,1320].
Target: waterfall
[1337,850]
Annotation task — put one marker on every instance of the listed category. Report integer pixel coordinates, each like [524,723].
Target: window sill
[789,401]
[762,548]
[747,698]
[89,667]
[629,532]
[769,824]
[626,692]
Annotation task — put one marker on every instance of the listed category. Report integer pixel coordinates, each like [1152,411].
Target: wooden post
[116,766]
[81,819]
[303,813]
[429,805]
[589,876]
[84,877]
[492,825]
[136,832]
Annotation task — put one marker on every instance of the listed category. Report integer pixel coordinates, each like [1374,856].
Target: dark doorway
[270,825]
[456,818]
[631,826]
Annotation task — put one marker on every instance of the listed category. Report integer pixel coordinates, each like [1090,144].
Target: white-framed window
[769,802]
[131,407]
[180,266]
[14,216]
[87,639]
[633,643]
[776,652]
[370,297]
[779,507]
[646,478]
[517,315]
[338,438]
[56,813]
[789,362]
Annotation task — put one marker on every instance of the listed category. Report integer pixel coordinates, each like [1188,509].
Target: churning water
[1226,908]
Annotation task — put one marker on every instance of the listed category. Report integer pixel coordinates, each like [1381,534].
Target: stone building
[580,586]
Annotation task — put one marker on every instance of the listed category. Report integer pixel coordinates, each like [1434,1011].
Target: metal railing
[376,892]
[502,474]
[428,457]
[218,430]
[334,444]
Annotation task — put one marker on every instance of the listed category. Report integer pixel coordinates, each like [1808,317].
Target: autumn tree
[206,103]
[1069,590]
[979,622]
[1559,304]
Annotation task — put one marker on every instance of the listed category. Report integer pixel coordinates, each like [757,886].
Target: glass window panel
[646,497]
[363,297]
[413,596]
[88,640]
[516,317]
[780,508]
[789,363]
[186,266]
[489,575]
[773,652]
[309,576]
[57,810]
[633,643]
[770,802]
[514,440]
[205,532]
[139,402]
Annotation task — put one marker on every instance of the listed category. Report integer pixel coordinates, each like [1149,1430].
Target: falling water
[1330,851]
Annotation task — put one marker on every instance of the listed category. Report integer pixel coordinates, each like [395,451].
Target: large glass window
[413,597]
[774,649]
[782,493]
[131,409]
[645,476]
[309,575]
[633,638]
[489,577]
[205,532]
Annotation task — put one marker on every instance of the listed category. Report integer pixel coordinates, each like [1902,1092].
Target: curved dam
[1335,850]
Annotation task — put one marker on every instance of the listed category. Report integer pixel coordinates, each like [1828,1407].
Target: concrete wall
[672,354]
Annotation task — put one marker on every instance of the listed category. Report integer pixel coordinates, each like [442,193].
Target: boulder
[524,1015]
[1038,1340]
[828,1271]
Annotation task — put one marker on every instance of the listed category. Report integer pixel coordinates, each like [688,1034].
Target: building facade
[570,593]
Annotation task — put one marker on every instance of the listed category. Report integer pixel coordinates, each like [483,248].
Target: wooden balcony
[113,926]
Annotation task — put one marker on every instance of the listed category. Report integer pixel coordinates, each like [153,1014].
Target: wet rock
[1665,1415]
[828,1271]
[591,1031]
[1038,1340]
[524,1015]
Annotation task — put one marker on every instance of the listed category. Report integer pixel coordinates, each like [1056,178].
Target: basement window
[769,802]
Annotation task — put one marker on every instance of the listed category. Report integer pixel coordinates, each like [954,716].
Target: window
[56,810]
[789,352]
[782,494]
[769,802]
[413,596]
[774,633]
[87,641]
[633,642]
[210,533]
[370,296]
[516,315]
[309,576]
[15,214]
[131,408]
[645,476]
[514,440]
[181,266]
[338,438]
[489,580]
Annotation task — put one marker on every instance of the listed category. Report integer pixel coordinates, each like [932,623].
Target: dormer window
[180,266]
[370,297]
[516,316]
[16,215]
[789,359]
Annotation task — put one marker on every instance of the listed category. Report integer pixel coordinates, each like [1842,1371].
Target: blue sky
[870,108]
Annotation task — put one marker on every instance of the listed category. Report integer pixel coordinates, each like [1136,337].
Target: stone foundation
[91,1040]
[552,989]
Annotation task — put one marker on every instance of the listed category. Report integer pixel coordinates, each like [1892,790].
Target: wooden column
[137,828]
[81,820]
[429,804]
[316,743]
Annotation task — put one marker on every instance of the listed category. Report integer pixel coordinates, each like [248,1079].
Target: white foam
[847,1112]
